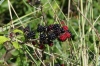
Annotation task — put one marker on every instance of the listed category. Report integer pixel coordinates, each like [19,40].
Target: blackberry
[50,43]
[56,26]
[62,37]
[33,42]
[62,64]
[41,28]
[29,0]
[65,28]
[11,35]
[45,41]
[42,37]
[41,46]
[26,29]
[57,32]
[62,30]
[51,36]
[31,35]
[56,64]
[50,27]
[68,34]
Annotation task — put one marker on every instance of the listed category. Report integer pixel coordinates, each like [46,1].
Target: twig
[16,13]
[10,14]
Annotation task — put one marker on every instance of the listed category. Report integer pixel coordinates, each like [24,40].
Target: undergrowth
[50,33]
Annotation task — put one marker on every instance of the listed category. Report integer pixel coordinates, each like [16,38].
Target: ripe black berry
[26,29]
[45,41]
[50,27]
[31,35]
[56,26]
[42,37]
[62,30]
[57,32]
[56,64]
[41,28]
[51,36]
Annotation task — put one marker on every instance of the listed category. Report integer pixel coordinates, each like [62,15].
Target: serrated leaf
[3,39]
[16,45]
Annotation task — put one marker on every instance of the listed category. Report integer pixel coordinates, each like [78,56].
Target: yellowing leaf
[17,30]
[3,39]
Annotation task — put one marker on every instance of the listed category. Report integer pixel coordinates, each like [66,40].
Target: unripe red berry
[11,35]
[41,46]
[65,28]
[68,35]
[50,43]
[62,64]
[62,37]
[33,42]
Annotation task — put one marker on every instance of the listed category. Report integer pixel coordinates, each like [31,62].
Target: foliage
[81,17]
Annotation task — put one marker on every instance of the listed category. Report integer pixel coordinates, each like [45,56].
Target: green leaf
[21,37]
[3,39]
[15,52]
[18,31]
[16,45]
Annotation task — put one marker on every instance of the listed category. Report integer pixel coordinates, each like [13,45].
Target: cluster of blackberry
[48,34]
[52,32]
[29,34]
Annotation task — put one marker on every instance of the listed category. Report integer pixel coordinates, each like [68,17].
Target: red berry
[62,22]
[68,35]
[65,28]
[62,37]
[62,64]
[51,44]
[33,42]
[11,35]
[29,0]
[41,46]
